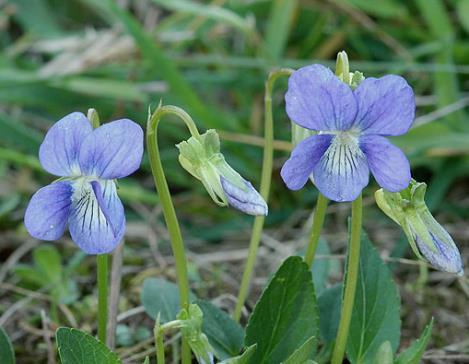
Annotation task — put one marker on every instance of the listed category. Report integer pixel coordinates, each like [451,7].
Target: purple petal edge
[447,258]
[249,202]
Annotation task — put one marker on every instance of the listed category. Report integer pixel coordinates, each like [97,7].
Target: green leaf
[243,358]
[9,204]
[78,347]
[446,84]
[386,8]
[278,27]
[224,334]
[38,17]
[321,267]
[47,261]
[385,354]
[161,64]
[303,353]
[329,303]
[463,13]
[6,349]
[30,275]
[17,136]
[215,12]
[159,295]
[47,272]
[147,360]
[413,354]
[375,316]
[101,87]
[286,315]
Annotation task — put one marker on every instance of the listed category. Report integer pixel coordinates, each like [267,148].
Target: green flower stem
[318,222]
[158,335]
[350,282]
[266,178]
[102,263]
[169,213]
[160,349]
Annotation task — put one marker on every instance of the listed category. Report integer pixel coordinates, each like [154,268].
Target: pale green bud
[191,330]
[93,117]
[342,71]
[428,239]
[342,68]
[201,157]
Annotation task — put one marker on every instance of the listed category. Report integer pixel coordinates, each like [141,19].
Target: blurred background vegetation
[212,58]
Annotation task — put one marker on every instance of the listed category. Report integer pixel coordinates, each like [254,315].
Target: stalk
[318,222]
[266,178]
[351,278]
[169,213]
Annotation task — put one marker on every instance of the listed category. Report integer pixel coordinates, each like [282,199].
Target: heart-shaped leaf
[375,315]
[78,347]
[329,303]
[224,334]
[161,296]
[321,267]
[286,315]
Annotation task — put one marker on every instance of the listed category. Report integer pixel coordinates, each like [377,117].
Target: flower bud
[342,67]
[201,157]
[428,239]
[191,330]
[342,71]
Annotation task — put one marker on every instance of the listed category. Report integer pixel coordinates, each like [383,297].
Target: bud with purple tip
[201,157]
[428,239]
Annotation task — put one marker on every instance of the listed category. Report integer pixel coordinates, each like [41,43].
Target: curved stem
[350,282]
[318,222]
[266,178]
[102,263]
[169,213]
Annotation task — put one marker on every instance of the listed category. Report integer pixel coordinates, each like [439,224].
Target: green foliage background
[212,58]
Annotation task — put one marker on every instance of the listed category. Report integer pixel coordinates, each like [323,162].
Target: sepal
[191,330]
[428,239]
[201,157]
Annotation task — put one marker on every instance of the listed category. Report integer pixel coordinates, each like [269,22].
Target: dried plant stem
[114,294]
[351,278]
[47,340]
[266,178]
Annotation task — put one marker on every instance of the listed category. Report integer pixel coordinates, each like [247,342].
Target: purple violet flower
[85,197]
[351,126]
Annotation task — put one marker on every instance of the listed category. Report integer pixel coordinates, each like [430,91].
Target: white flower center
[344,154]
[86,206]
